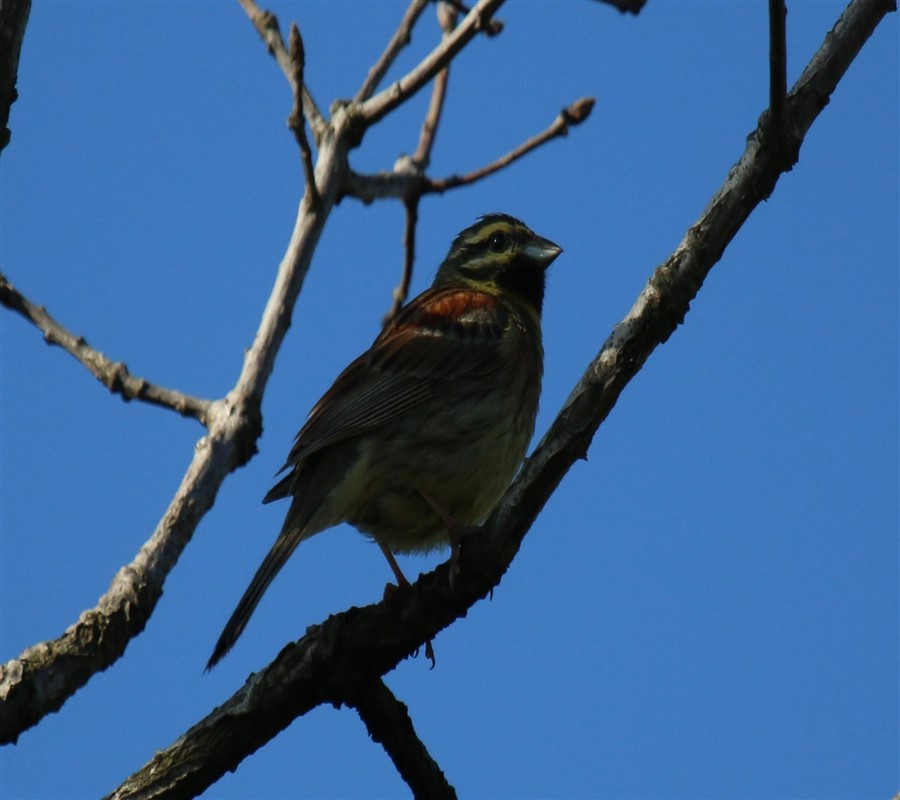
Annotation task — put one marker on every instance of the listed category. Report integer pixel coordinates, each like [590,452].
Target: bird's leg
[401,578]
[401,581]
[454,532]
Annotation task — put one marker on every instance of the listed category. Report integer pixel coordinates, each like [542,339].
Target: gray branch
[407,181]
[114,375]
[399,92]
[401,38]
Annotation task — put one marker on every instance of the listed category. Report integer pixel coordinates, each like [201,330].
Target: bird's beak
[542,251]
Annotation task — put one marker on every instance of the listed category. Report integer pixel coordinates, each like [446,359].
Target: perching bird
[422,434]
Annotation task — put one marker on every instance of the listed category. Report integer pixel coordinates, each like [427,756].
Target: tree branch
[405,181]
[778,67]
[360,644]
[296,121]
[114,375]
[626,6]
[417,164]
[266,24]
[574,114]
[422,158]
[389,724]
[44,676]
[401,291]
[401,38]
[388,99]
[13,20]
[493,26]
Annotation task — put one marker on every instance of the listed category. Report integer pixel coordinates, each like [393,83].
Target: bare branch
[296,121]
[405,181]
[357,645]
[13,20]
[418,163]
[389,724]
[114,375]
[44,676]
[388,99]
[493,26]
[401,38]
[401,291]
[778,67]
[626,6]
[266,24]
[422,157]
[574,114]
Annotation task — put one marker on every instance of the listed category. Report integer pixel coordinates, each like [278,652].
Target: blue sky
[708,607]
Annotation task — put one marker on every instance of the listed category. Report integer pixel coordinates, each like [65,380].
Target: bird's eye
[497,242]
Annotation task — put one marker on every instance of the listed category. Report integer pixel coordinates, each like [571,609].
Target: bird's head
[500,255]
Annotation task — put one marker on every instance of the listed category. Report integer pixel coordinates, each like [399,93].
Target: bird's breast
[462,453]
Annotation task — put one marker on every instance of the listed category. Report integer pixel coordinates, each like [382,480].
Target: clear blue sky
[707,608]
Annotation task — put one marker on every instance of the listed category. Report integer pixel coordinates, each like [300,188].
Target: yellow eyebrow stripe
[483,234]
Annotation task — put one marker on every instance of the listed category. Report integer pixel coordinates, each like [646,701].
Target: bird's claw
[429,653]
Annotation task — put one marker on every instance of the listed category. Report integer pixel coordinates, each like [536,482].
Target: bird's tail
[285,544]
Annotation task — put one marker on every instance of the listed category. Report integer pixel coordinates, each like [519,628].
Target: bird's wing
[442,336]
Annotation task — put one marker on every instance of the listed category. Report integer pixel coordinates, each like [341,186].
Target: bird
[418,438]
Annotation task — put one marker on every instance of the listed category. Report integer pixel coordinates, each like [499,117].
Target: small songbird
[420,436]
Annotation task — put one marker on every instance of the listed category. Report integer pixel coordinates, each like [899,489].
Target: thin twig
[493,27]
[114,375]
[388,723]
[778,68]
[404,182]
[266,24]
[574,114]
[476,21]
[296,121]
[401,291]
[418,164]
[401,38]
[627,6]
[447,18]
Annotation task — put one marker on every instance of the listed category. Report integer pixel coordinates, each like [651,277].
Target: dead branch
[401,291]
[417,164]
[574,114]
[778,67]
[626,6]
[388,723]
[399,92]
[266,24]
[13,21]
[404,182]
[114,375]
[401,38]
[296,121]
